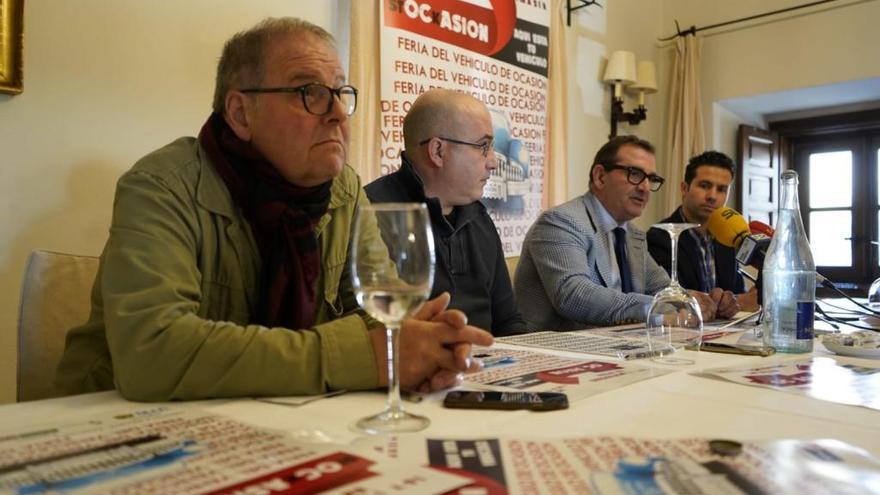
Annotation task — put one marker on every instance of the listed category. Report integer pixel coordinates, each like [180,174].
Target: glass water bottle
[789,277]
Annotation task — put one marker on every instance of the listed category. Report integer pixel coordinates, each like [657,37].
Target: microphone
[751,240]
[754,246]
[730,229]
[759,227]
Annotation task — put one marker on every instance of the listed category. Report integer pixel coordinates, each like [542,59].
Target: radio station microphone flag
[728,227]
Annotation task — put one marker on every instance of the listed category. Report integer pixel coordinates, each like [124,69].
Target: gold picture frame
[11,46]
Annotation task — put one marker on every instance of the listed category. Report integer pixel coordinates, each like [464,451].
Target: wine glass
[674,320]
[392,274]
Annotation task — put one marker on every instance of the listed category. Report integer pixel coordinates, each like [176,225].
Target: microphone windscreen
[727,226]
[759,227]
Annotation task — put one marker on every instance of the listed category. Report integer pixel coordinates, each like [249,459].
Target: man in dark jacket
[704,264]
[449,155]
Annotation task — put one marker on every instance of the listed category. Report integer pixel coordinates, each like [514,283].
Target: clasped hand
[434,347]
[717,303]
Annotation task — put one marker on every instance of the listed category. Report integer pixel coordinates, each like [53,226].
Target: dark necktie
[622,263]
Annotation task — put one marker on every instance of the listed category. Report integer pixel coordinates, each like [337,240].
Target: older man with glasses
[449,155]
[226,271]
[583,263]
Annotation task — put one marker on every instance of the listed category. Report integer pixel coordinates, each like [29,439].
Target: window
[840,203]
[837,158]
[831,201]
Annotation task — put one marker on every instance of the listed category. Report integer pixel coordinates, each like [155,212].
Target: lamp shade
[621,68]
[647,77]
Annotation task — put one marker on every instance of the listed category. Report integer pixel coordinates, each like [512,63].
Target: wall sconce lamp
[621,72]
[584,3]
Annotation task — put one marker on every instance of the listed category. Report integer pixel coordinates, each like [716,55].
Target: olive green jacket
[177,287]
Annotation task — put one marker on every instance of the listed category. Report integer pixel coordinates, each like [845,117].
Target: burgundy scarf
[282,218]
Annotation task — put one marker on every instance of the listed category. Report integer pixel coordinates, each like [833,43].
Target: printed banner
[495,50]
[632,466]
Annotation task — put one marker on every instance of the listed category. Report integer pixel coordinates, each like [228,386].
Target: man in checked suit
[583,263]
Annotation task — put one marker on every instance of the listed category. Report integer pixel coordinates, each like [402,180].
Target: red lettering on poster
[462,24]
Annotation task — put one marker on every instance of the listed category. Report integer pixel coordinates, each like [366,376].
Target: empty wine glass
[392,274]
[674,320]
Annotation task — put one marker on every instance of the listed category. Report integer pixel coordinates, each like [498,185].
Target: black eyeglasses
[318,98]
[636,176]
[484,146]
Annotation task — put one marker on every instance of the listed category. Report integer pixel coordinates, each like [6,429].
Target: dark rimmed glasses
[635,176]
[483,146]
[317,98]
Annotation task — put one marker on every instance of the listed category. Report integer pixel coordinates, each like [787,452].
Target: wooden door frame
[801,148]
[866,120]
[745,135]
[862,121]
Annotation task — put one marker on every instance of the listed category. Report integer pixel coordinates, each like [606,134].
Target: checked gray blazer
[562,277]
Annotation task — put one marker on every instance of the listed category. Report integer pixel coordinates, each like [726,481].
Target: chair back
[512,262]
[55,294]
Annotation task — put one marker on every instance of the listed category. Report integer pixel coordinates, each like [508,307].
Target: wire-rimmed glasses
[483,146]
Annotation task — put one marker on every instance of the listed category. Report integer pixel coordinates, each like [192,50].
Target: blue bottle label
[805,315]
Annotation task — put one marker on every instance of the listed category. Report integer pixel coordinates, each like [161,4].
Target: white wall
[630,25]
[818,46]
[105,82]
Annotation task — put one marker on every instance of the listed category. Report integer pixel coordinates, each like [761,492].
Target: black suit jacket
[689,276]
[470,260]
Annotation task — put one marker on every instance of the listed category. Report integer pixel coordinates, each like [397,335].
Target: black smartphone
[533,401]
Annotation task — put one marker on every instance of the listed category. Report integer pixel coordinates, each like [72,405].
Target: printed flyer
[618,465]
[184,451]
[528,371]
[822,378]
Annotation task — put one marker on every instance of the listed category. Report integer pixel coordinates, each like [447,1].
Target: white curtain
[364,152]
[556,158]
[684,122]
